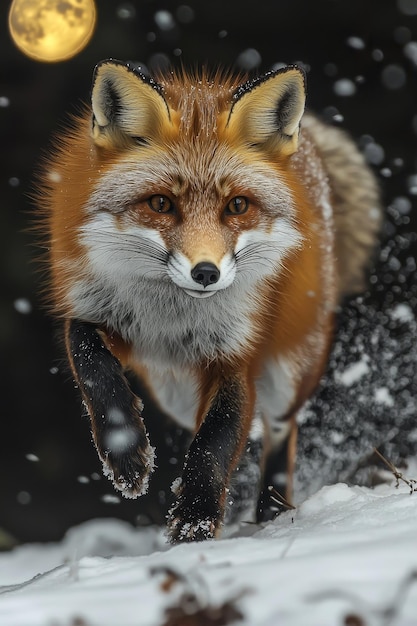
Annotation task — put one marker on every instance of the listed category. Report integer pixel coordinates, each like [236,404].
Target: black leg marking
[198,511]
[115,412]
[246,482]
[275,476]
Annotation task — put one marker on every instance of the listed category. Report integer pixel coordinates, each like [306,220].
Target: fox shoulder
[356,202]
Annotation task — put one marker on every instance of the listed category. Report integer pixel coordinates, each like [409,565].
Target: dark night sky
[368,42]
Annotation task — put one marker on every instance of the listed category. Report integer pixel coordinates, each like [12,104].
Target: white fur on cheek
[116,253]
[261,252]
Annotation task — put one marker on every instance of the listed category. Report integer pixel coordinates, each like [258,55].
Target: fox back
[202,231]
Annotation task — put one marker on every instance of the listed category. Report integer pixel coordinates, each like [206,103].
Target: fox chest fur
[203,232]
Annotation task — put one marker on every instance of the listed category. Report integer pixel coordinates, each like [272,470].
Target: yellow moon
[52,30]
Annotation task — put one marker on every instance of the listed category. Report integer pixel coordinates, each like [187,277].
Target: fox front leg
[117,426]
[198,511]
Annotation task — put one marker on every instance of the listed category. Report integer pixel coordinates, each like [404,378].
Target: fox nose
[205,273]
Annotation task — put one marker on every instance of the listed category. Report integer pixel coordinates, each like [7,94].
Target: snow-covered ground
[345,556]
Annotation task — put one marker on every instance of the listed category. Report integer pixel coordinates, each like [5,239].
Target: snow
[410,51]
[32,457]
[402,312]
[344,87]
[345,551]
[402,204]
[383,396]
[357,43]
[126,12]
[374,153]
[164,20]
[249,59]
[407,7]
[23,306]
[393,76]
[354,372]
[185,14]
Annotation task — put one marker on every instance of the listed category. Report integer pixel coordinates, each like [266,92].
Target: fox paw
[191,518]
[179,531]
[130,471]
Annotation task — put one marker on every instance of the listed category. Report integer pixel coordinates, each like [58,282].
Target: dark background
[61,485]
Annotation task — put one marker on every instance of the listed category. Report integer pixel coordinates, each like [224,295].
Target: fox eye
[160,204]
[237,206]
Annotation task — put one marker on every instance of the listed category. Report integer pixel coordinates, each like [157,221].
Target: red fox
[203,231]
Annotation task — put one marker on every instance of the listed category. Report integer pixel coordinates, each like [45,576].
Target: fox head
[190,181]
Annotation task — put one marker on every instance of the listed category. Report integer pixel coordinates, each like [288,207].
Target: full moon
[51,30]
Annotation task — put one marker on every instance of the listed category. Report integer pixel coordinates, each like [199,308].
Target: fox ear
[126,104]
[267,111]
